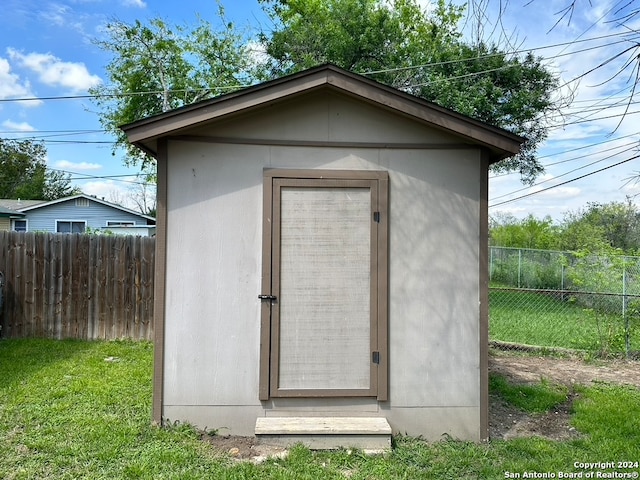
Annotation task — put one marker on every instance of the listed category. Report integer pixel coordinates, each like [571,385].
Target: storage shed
[322,262]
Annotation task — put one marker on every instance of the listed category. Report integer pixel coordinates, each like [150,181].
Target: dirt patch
[505,420]
[244,448]
[566,371]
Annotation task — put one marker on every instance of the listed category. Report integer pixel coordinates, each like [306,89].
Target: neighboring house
[75,214]
[8,217]
[322,255]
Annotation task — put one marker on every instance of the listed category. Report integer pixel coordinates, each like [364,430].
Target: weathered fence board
[77,286]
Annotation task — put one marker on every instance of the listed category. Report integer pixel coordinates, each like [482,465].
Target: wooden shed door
[326,337]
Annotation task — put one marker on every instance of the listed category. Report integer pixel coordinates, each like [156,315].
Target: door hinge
[376,217]
[375,357]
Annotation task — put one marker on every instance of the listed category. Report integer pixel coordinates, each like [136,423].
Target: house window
[19,225]
[70,226]
[82,202]
[118,223]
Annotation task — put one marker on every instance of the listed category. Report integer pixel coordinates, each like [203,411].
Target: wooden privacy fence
[77,285]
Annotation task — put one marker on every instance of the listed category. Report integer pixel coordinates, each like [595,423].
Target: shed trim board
[483,323]
[315,143]
[376,182]
[160,282]
[144,133]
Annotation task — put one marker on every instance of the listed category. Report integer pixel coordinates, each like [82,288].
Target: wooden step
[320,433]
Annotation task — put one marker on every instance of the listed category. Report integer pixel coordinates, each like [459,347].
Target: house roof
[16,205]
[145,133]
[23,206]
[7,212]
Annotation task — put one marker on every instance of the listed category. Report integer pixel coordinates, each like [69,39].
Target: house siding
[95,214]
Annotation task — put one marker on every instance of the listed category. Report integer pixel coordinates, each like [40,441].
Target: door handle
[268,297]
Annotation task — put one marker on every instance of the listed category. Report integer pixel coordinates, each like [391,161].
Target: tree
[394,42]
[141,196]
[24,173]
[530,232]
[622,66]
[397,43]
[600,226]
[159,66]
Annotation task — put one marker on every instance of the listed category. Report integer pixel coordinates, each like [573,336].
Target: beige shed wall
[214,267]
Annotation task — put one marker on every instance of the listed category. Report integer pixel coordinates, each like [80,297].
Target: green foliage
[97,231]
[576,235]
[164,67]
[398,44]
[607,413]
[24,173]
[394,42]
[596,273]
[530,232]
[593,308]
[359,35]
[536,398]
[507,91]
[600,226]
[546,320]
[523,268]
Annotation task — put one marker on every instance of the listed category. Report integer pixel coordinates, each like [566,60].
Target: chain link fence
[564,301]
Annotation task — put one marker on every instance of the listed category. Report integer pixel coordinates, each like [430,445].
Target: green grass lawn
[67,413]
[537,319]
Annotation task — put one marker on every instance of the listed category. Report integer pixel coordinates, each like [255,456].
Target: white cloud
[54,72]
[67,165]
[56,14]
[563,192]
[134,3]
[18,127]
[12,87]
[65,17]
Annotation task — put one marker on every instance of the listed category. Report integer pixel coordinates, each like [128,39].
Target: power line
[586,146]
[566,173]
[576,122]
[234,87]
[117,94]
[86,176]
[514,52]
[564,183]
[634,143]
[54,133]
[583,147]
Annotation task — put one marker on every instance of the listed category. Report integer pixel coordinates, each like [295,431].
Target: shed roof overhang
[146,132]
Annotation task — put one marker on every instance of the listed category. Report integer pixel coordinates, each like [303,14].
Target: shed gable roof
[145,133]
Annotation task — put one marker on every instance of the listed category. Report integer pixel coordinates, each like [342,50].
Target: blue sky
[46,51]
